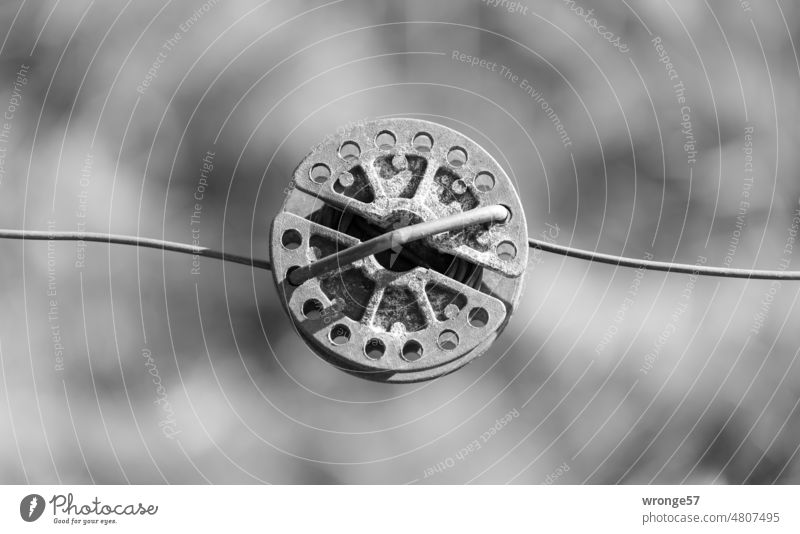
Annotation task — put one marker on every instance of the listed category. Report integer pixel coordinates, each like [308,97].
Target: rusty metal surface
[419,312]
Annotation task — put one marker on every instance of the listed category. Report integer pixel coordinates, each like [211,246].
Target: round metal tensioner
[417,310]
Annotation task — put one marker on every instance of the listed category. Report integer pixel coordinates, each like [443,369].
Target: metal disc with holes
[424,309]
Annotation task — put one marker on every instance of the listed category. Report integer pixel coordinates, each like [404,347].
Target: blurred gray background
[123,366]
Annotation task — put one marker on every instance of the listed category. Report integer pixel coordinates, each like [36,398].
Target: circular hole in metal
[339,334]
[289,271]
[320,173]
[484,182]
[291,239]
[506,251]
[478,317]
[412,351]
[350,150]
[385,140]
[374,349]
[457,156]
[448,340]
[423,142]
[312,309]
